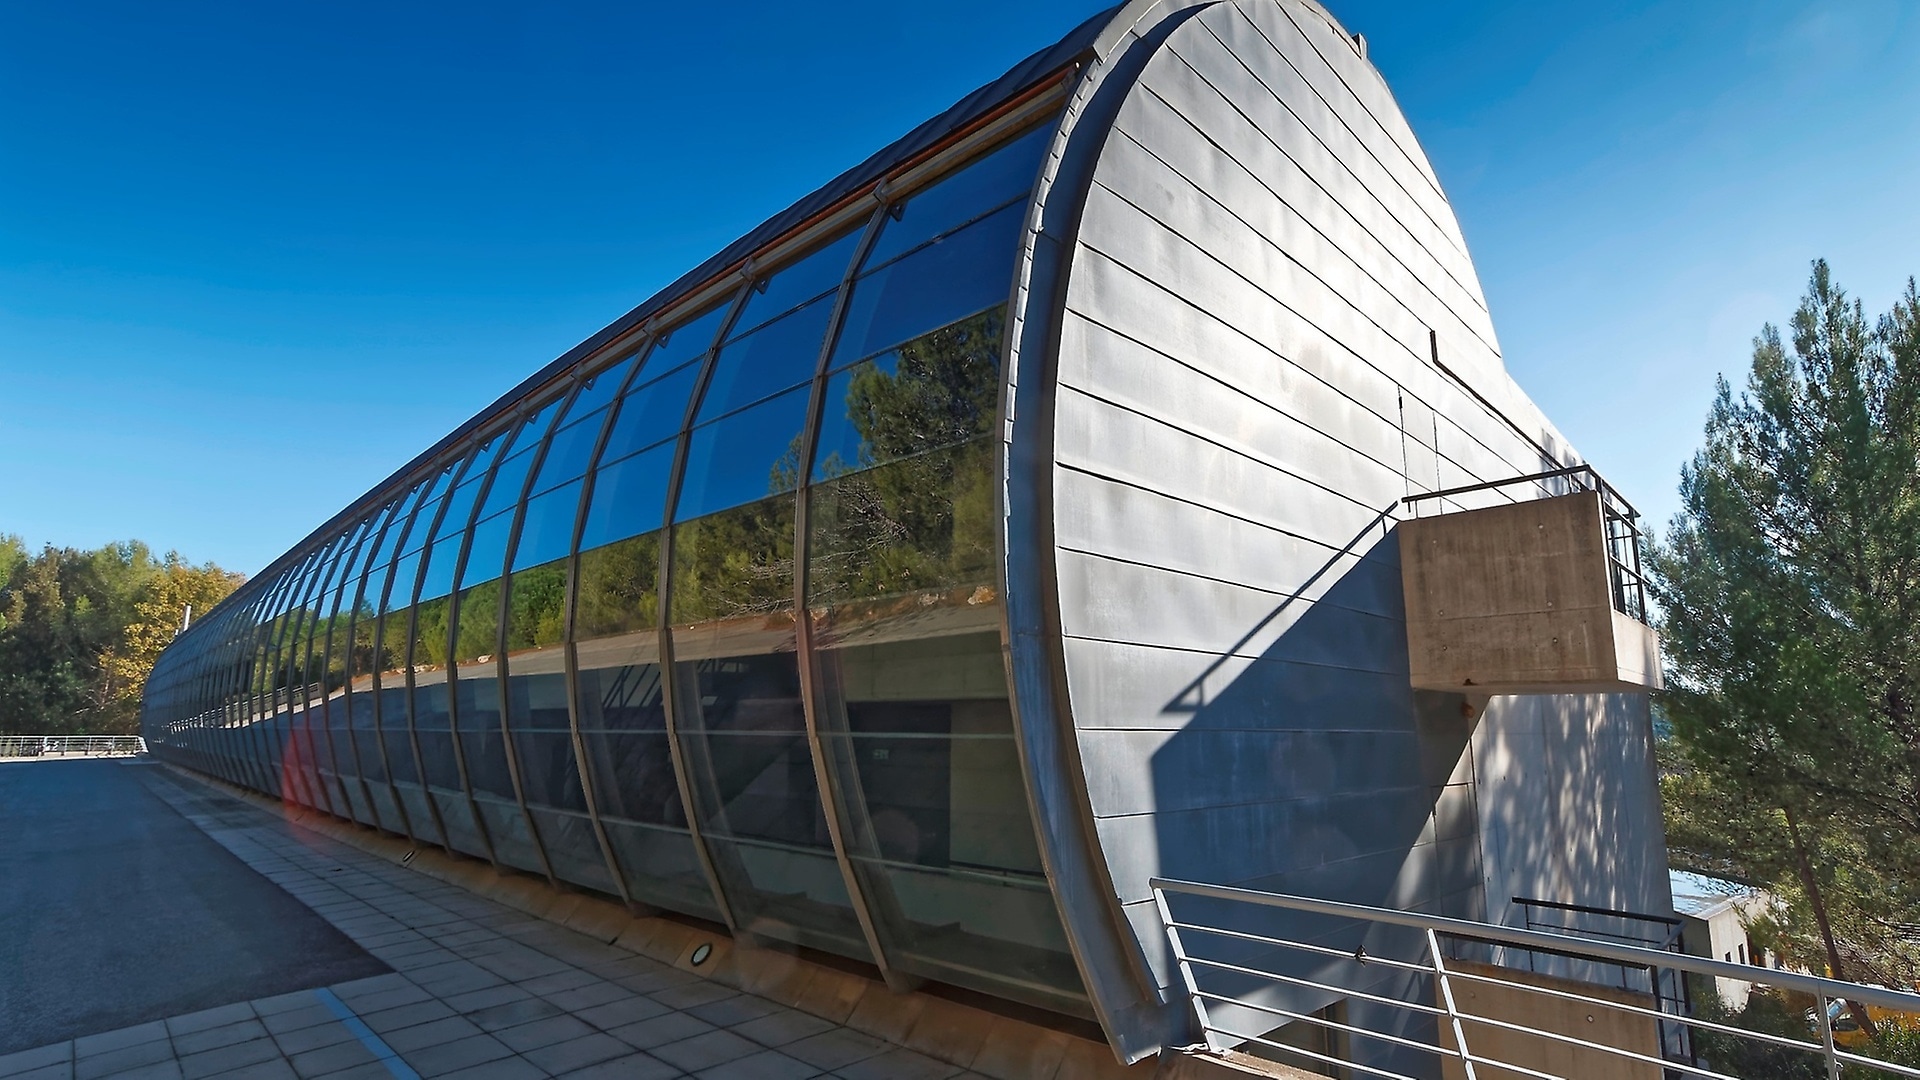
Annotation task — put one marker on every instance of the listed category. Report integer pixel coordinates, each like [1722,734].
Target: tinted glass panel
[629,497]
[781,354]
[943,282]
[685,341]
[487,555]
[509,483]
[1006,174]
[753,781]
[617,593]
[938,389]
[735,563]
[921,733]
[598,390]
[815,274]
[749,455]
[547,532]
[440,560]
[651,412]
[569,451]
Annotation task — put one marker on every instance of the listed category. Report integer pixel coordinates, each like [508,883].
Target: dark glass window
[487,554]
[920,732]
[598,389]
[749,455]
[509,483]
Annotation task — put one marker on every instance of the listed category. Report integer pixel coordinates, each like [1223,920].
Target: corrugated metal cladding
[983,551]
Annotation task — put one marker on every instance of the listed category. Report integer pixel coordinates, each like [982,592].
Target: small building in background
[1716,913]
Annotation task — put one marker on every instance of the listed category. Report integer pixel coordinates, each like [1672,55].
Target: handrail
[1599,484]
[33,746]
[1456,1021]
[1540,939]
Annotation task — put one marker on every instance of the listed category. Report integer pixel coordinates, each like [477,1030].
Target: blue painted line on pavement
[400,1069]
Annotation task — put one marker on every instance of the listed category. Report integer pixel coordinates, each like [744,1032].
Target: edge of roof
[1036,69]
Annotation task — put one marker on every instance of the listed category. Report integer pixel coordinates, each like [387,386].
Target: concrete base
[985,1042]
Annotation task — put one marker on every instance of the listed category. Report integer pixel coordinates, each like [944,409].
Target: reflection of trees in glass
[479,622]
[914,512]
[430,633]
[536,600]
[735,563]
[619,588]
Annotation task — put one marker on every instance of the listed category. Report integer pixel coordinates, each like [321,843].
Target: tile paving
[478,991]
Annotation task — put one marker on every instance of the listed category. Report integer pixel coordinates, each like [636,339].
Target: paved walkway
[476,990]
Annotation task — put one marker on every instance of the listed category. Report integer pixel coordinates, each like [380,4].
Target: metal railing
[1426,989]
[1661,933]
[37,746]
[1620,521]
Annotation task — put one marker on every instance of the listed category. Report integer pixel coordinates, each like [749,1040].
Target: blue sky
[255,256]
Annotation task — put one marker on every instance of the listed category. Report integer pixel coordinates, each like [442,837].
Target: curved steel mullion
[839,812]
[307,765]
[378,539]
[246,736]
[458,474]
[339,589]
[252,740]
[669,693]
[502,669]
[426,492]
[343,551]
[273,640]
[568,654]
[400,517]
[314,584]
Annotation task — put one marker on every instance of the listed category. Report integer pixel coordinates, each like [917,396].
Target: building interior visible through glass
[505,657]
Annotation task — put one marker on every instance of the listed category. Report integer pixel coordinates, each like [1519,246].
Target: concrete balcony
[1542,596]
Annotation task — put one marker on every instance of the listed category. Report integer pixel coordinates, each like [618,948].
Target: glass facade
[710,624]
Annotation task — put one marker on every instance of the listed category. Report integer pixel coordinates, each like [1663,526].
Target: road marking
[400,1069]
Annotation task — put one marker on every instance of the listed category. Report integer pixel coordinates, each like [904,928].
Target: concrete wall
[1261,271]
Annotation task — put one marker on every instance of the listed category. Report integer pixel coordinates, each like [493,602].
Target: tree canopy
[80,631]
[1790,584]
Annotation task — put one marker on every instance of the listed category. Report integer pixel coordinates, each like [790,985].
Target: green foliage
[915,513]
[1753,1059]
[80,631]
[1790,584]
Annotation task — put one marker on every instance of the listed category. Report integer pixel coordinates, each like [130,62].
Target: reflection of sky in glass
[568,451]
[651,412]
[685,341]
[962,274]
[738,459]
[629,497]
[781,354]
[548,530]
[1007,173]
[815,274]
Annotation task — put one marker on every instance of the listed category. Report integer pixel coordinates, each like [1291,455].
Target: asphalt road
[115,910]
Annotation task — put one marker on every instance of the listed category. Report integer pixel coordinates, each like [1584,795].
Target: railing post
[1186,969]
[1826,1040]
[1446,1000]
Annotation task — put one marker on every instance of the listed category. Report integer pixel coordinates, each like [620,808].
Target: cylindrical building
[1005,523]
